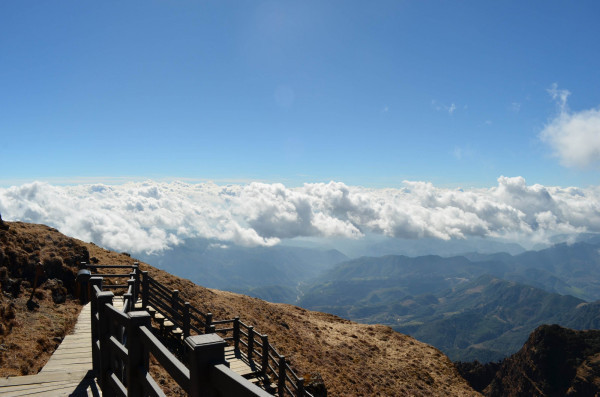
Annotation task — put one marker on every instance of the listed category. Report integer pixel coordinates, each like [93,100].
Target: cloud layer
[153,216]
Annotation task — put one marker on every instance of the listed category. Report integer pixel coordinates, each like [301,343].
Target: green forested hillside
[488,318]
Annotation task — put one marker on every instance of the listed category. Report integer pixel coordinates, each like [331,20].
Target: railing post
[265,354]
[186,319]
[95,281]
[83,285]
[145,289]
[175,305]
[208,325]
[281,377]
[236,333]
[205,351]
[250,343]
[137,353]
[136,290]
[103,299]
[300,384]
[129,296]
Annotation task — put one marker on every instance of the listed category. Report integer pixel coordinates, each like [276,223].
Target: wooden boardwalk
[238,362]
[69,370]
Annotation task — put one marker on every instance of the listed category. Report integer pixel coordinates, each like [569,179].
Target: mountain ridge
[407,292]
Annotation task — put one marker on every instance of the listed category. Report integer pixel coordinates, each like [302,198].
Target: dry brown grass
[352,359]
[29,337]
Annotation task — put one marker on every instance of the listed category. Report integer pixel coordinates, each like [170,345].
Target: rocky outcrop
[555,361]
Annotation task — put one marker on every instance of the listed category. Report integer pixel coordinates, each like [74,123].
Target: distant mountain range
[377,245]
[476,306]
[489,317]
[269,273]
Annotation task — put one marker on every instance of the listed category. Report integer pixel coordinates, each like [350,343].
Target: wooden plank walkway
[69,370]
[239,363]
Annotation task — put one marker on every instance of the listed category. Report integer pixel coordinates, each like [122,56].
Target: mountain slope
[352,359]
[33,324]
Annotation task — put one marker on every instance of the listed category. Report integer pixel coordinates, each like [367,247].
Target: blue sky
[366,93]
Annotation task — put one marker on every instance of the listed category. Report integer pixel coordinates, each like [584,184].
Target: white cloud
[446,108]
[152,216]
[560,96]
[574,136]
[452,108]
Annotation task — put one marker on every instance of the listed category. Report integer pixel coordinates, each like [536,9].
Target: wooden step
[177,333]
[166,327]
[159,318]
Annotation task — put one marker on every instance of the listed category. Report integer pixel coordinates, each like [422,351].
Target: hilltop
[352,359]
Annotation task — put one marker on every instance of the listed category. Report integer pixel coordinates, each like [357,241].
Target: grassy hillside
[352,359]
[31,329]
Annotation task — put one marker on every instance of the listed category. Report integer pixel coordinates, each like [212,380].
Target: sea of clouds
[153,216]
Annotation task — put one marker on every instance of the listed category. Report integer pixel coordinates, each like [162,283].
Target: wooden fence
[200,342]
[122,342]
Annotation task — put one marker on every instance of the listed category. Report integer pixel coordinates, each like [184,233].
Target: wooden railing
[197,335]
[134,273]
[262,357]
[122,342]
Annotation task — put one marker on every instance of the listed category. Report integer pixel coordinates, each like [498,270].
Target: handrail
[123,341]
[251,341]
[240,333]
[260,354]
[179,372]
[88,265]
